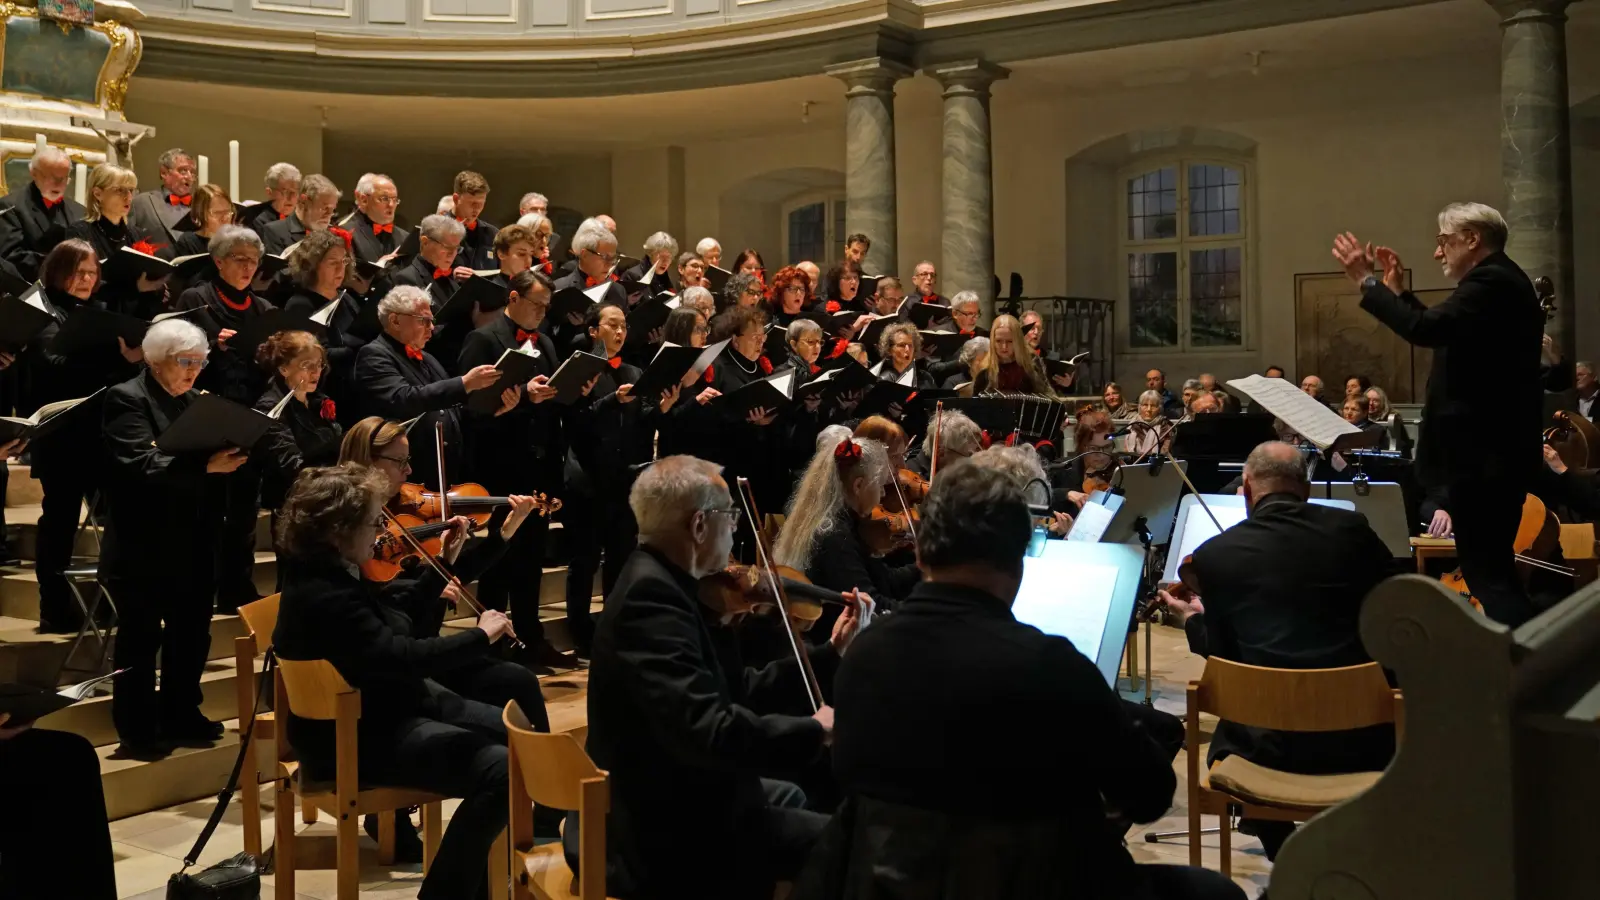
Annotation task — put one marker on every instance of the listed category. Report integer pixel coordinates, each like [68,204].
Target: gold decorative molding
[124,49]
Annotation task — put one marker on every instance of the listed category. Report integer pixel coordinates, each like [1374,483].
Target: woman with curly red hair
[791,295]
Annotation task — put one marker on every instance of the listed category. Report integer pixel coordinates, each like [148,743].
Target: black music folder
[925,314]
[128,264]
[26,703]
[649,315]
[269,323]
[44,420]
[943,344]
[517,367]
[576,372]
[14,284]
[486,289]
[571,300]
[771,393]
[717,278]
[21,320]
[844,379]
[212,423]
[91,328]
[669,366]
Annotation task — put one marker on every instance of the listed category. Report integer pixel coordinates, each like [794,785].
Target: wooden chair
[314,689]
[260,617]
[553,770]
[1283,700]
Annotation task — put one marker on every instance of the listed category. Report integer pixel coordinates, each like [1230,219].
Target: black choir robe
[258,217]
[228,372]
[391,384]
[521,451]
[607,438]
[741,448]
[122,295]
[448,333]
[155,213]
[45,376]
[338,339]
[30,231]
[659,281]
[567,336]
[285,233]
[477,247]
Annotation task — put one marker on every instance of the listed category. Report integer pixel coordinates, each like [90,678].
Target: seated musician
[1011,363]
[414,731]
[928,756]
[1578,490]
[1284,589]
[824,534]
[396,379]
[682,726]
[1094,462]
[958,438]
[972,358]
[1201,404]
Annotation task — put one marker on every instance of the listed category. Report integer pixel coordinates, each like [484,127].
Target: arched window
[813,228]
[1184,244]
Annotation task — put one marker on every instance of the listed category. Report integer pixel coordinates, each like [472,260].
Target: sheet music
[1090,523]
[1067,599]
[1310,418]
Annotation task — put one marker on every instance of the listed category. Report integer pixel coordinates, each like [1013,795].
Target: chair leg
[432,831]
[349,858]
[1225,834]
[250,800]
[498,870]
[308,813]
[283,842]
[1194,829]
[386,838]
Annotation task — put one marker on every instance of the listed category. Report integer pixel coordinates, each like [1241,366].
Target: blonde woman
[1011,368]
[107,228]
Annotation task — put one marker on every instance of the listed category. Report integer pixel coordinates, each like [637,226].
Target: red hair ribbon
[344,235]
[984,440]
[848,453]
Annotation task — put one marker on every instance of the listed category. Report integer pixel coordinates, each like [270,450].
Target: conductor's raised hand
[1354,256]
[494,623]
[228,460]
[479,378]
[1394,271]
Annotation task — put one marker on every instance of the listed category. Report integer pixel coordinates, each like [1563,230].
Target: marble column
[966,239]
[1536,150]
[869,187]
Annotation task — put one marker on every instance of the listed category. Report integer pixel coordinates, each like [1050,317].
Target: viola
[1575,438]
[465,499]
[913,488]
[391,550]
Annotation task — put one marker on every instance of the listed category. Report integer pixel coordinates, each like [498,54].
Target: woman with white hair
[972,359]
[159,555]
[106,227]
[660,251]
[595,249]
[959,437]
[543,230]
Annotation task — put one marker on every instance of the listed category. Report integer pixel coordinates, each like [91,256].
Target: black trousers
[54,840]
[236,550]
[1485,516]
[461,753]
[64,495]
[496,683]
[598,524]
[171,616]
[511,585]
[1161,882]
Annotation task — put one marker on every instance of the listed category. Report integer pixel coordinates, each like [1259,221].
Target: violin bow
[911,525]
[433,563]
[444,486]
[779,593]
[938,426]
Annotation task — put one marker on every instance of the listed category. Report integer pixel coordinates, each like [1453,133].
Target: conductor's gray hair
[671,490]
[230,238]
[972,349]
[958,434]
[591,235]
[438,228]
[660,241]
[278,173]
[1484,221]
[402,300]
[1276,465]
[169,158]
[964,298]
[49,156]
[706,245]
[369,183]
[171,337]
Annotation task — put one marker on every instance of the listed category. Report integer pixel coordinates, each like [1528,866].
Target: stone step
[19,589]
[22,489]
[22,525]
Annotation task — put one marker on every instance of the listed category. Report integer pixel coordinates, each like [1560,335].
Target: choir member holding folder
[318,269]
[312,212]
[660,249]
[432,268]
[166,515]
[296,363]
[66,461]
[41,213]
[128,287]
[517,446]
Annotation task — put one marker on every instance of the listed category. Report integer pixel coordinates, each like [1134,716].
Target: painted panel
[470,10]
[387,12]
[702,7]
[222,5]
[548,13]
[51,62]
[339,8]
[624,9]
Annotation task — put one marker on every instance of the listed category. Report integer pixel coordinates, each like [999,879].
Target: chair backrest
[1295,699]
[553,766]
[313,687]
[261,617]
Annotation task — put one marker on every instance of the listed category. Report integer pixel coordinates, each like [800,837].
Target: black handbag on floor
[237,877]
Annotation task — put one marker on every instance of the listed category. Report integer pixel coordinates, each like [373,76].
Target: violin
[1575,438]
[766,570]
[884,531]
[465,499]
[910,489]
[741,590]
[396,527]
[1538,537]
[391,550]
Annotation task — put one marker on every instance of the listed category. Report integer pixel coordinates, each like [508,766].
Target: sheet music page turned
[1310,418]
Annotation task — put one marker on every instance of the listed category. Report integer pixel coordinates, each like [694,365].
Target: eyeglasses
[401,461]
[310,365]
[732,512]
[189,362]
[386,199]
[1444,237]
[604,257]
[810,342]
[426,321]
[238,260]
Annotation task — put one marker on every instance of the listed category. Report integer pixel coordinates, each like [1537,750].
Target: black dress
[121,294]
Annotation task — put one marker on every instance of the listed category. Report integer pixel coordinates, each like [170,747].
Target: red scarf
[382,229]
[413,353]
[235,305]
[180,199]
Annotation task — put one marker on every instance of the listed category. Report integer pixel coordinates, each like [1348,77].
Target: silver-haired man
[314,212]
[1492,314]
[42,208]
[158,212]
[374,236]
[282,186]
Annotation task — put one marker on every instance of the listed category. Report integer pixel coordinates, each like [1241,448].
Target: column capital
[967,76]
[873,75]
[1513,11]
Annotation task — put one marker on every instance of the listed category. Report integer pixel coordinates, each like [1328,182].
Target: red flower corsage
[984,440]
[832,306]
[848,453]
[708,374]
[143,245]
[840,345]
[766,366]
[328,410]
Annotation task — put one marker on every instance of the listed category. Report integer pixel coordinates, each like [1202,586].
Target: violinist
[66,462]
[1579,491]
[414,731]
[1012,367]
[159,557]
[1095,459]
[106,228]
[609,434]
[958,437]
[824,534]
[679,722]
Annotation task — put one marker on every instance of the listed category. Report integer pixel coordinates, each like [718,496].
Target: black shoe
[58,626]
[542,654]
[143,748]
[407,844]
[198,730]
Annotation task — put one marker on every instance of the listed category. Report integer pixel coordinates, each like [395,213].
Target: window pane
[1153,299]
[1213,200]
[807,233]
[1216,304]
[1153,205]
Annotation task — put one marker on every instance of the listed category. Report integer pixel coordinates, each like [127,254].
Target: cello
[1538,537]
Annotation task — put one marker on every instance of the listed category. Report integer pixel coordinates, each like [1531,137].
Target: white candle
[233,170]
[205,170]
[80,190]
[39,142]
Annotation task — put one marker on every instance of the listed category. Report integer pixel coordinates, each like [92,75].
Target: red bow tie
[526,336]
[179,199]
[815,368]
[52,204]
[966,333]
[441,273]
[616,362]
[589,281]
[413,353]
[470,225]
[382,229]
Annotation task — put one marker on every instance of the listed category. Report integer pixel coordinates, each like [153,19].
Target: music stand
[1095,516]
[1150,493]
[1384,505]
[1086,593]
